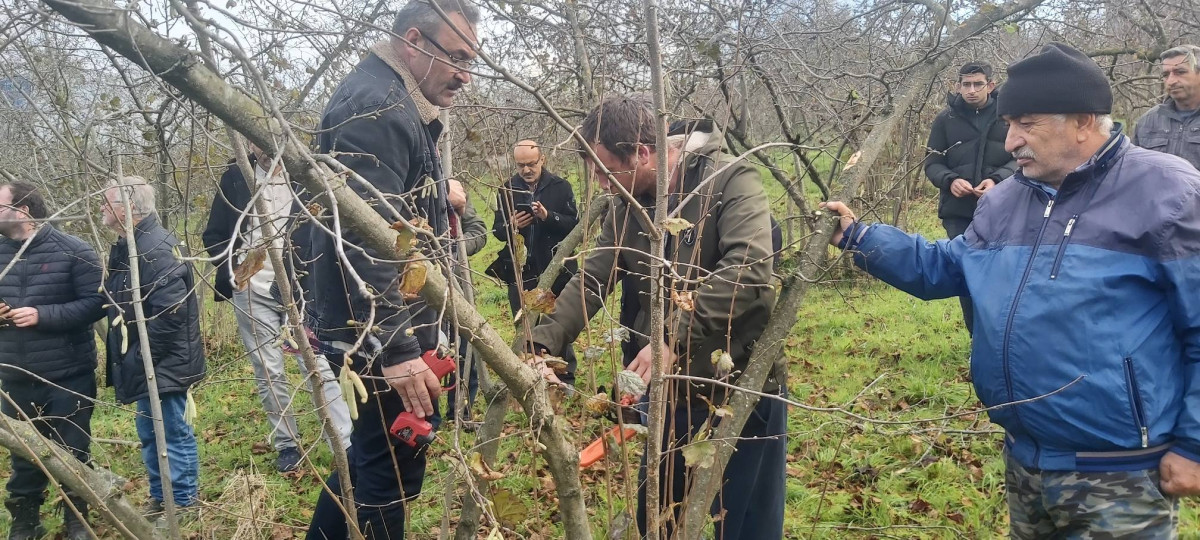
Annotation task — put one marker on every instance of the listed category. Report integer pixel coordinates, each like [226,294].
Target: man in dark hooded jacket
[966,155]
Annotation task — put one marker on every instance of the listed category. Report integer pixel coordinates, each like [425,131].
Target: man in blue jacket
[1083,267]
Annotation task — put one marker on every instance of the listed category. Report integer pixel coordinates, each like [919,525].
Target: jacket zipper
[1012,311]
[1062,248]
[981,149]
[1135,399]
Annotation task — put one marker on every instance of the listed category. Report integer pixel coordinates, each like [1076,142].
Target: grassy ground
[858,346]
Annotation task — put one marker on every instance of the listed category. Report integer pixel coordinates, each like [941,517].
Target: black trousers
[386,473]
[955,227]
[61,411]
[754,493]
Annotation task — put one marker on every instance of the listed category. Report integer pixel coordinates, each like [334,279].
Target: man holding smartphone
[540,207]
[49,298]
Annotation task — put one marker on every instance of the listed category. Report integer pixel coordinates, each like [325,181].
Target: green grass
[857,345]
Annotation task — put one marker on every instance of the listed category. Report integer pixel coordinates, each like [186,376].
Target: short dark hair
[29,196]
[420,14]
[971,68]
[1190,52]
[620,123]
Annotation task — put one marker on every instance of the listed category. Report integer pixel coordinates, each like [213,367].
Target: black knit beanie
[1057,80]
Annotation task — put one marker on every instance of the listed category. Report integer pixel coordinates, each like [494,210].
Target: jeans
[955,227]
[182,455]
[62,411]
[260,319]
[386,473]
[750,503]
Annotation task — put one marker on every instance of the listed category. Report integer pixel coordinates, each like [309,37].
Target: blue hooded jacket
[1087,307]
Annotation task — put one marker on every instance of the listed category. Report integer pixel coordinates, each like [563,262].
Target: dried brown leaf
[254,261]
[481,469]
[539,301]
[686,300]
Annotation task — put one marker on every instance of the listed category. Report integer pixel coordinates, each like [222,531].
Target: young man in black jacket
[48,302]
[539,206]
[966,155]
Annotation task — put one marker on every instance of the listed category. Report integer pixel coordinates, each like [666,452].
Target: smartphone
[523,207]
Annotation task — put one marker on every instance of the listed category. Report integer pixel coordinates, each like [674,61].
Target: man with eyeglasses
[539,206]
[49,299]
[965,155]
[382,123]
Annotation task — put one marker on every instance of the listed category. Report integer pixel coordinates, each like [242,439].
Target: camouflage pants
[1088,506]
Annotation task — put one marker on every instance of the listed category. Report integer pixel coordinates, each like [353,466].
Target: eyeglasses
[973,85]
[462,64]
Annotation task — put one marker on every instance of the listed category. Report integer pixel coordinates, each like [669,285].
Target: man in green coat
[719,276]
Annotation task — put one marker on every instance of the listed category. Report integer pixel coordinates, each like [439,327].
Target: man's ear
[643,155]
[408,46]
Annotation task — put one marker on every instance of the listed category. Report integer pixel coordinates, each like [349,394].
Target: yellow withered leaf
[519,250]
[723,362]
[413,277]
[676,225]
[700,452]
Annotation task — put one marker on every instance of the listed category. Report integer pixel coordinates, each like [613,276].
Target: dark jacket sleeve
[939,173]
[88,306]
[474,230]
[222,217]
[222,228]
[564,215]
[743,272]
[500,218]
[584,295]
[386,131]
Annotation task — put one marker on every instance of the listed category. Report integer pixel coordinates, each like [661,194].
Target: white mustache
[1024,153]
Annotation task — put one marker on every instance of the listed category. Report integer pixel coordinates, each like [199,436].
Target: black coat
[373,125]
[542,236]
[229,204]
[231,200]
[172,313]
[59,275]
[969,144]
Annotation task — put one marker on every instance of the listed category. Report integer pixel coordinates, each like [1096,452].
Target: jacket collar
[959,105]
[543,180]
[386,52]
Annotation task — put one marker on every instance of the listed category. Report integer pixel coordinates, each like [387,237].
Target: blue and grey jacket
[1087,307]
